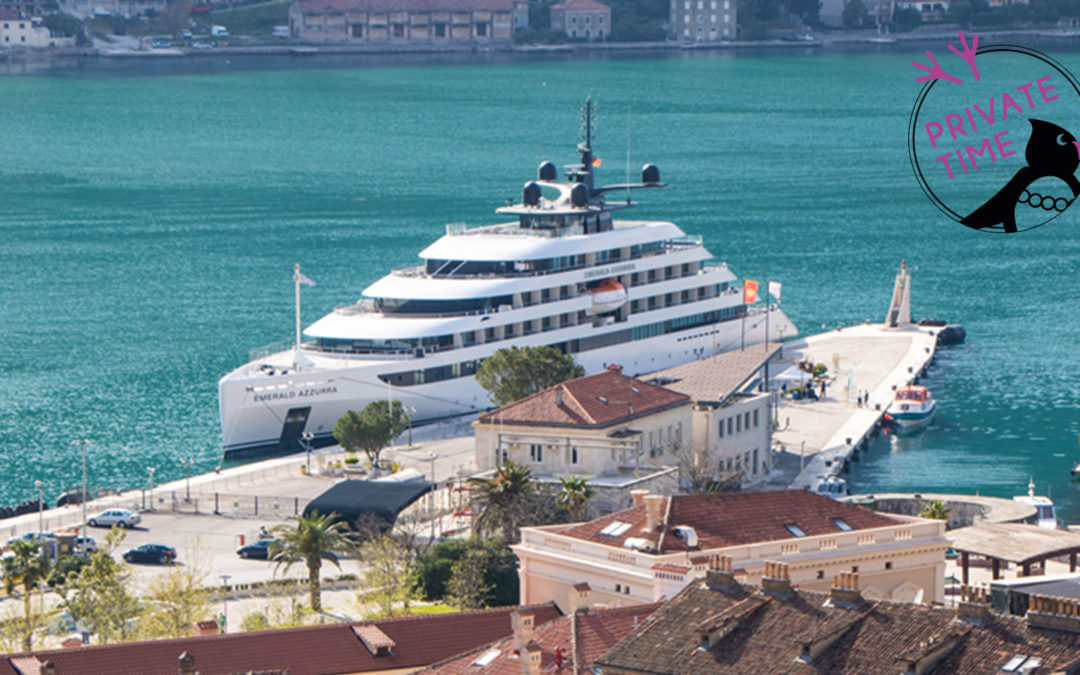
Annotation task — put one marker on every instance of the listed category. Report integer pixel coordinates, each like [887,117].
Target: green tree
[855,14]
[371,429]
[390,578]
[468,588]
[500,502]
[255,621]
[175,601]
[27,568]
[99,595]
[935,510]
[512,374]
[907,18]
[437,569]
[312,540]
[574,496]
[66,25]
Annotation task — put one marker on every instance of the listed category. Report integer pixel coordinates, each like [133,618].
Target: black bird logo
[1051,152]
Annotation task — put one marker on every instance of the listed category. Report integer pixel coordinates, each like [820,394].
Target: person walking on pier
[823,389]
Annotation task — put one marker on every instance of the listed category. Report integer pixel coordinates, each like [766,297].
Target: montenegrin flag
[749,291]
[597,161]
[774,289]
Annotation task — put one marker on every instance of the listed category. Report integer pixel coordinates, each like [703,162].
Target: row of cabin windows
[464,268]
[737,423]
[468,368]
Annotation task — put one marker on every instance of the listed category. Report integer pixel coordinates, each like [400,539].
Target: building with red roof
[396,645]
[586,19]
[382,22]
[655,548]
[620,432]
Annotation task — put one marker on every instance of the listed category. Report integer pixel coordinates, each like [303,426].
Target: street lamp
[188,463]
[83,442]
[41,505]
[225,600]
[412,411]
[150,470]
[431,497]
[308,436]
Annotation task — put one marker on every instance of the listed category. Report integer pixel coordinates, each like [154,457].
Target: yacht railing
[272,348]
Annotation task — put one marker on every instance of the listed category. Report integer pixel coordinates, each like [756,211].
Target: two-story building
[16,31]
[702,20]
[655,548]
[619,432]
[407,21]
[587,19]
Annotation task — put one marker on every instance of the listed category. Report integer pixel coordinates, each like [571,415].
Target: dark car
[259,549]
[151,553]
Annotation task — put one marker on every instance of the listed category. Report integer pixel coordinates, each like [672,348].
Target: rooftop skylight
[795,530]
[1021,664]
[615,528]
[842,524]
[486,658]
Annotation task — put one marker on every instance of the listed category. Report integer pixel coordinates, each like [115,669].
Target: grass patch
[253,19]
[438,608]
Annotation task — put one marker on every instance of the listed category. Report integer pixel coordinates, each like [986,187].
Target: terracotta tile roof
[757,633]
[732,519]
[596,632]
[311,650]
[7,15]
[593,401]
[716,378]
[359,6]
[582,5]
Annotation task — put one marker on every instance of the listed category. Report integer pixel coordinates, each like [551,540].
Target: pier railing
[234,505]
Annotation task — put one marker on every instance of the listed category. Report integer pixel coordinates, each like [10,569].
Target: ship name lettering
[611,269]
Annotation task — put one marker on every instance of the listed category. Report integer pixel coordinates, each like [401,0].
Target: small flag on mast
[774,289]
[749,291]
[302,278]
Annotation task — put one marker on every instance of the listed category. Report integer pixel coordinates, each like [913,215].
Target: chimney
[720,575]
[522,623]
[1059,614]
[531,657]
[776,580]
[72,642]
[654,506]
[638,496]
[187,664]
[615,368]
[558,395]
[206,628]
[47,668]
[579,598]
[973,606]
[845,590]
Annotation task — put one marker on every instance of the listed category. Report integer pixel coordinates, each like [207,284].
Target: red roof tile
[359,6]
[310,650]
[582,5]
[597,631]
[733,518]
[594,401]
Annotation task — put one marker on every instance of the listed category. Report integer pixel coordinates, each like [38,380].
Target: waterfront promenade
[867,357]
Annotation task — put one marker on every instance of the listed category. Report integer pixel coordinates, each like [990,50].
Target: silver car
[120,517]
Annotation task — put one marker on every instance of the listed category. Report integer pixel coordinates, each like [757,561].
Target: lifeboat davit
[607,296]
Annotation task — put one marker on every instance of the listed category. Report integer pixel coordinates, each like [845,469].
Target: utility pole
[83,442]
[41,505]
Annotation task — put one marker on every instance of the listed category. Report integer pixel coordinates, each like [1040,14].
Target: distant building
[656,548]
[702,20]
[929,11]
[619,432]
[30,33]
[587,19]
[879,12]
[126,8]
[719,625]
[407,21]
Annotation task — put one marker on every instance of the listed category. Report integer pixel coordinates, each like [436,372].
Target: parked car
[161,44]
[151,553]
[259,549]
[85,544]
[31,536]
[121,517]
[185,34]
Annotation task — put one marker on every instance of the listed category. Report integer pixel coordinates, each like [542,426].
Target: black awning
[352,499]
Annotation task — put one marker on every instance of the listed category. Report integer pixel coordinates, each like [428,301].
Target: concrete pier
[868,357]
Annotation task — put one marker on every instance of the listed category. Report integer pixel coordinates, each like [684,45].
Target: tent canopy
[352,499]
[793,375]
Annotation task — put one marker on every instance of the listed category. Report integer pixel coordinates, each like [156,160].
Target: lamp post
[225,600]
[412,411]
[431,498]
[150,472]
[188,463]
[41,505]
[308,436]
[83,442]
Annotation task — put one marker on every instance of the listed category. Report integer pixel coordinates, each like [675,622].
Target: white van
[219,31]
[281,31]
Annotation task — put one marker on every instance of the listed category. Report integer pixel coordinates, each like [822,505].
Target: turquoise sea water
[151,215]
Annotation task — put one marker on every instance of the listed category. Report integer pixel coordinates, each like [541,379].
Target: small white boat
[608,296]
[1045,515]
[912,407]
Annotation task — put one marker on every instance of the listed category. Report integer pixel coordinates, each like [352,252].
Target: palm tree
[313,539]
[29,567]
[576,492]
[935,510]
[500,501]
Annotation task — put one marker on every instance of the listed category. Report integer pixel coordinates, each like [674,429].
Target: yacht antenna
[627,154]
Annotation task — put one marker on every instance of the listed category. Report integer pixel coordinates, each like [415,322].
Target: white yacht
[563,273]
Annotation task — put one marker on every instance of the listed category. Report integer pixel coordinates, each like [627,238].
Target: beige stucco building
[654,549]
[587,19]
[408,21]
[28,32]
[702,20]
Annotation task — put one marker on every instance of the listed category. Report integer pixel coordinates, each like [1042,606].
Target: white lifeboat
[607,296]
